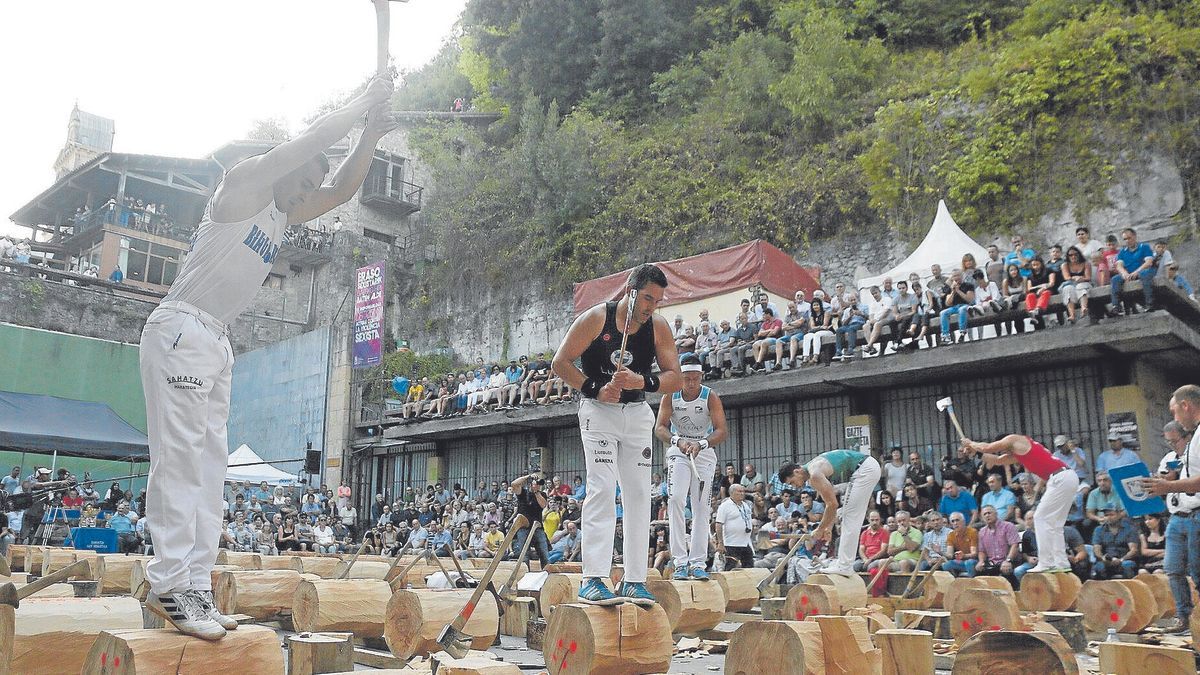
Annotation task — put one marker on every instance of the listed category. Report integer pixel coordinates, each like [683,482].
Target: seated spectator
[1000,498]
[820,327]
[535,378]
[287,538]
[845,338]
[324,539]
[564,547]
[765,340]
[493,540]
[1103,498]
[1114,547]
[885,503]
[72,500]
[955,498]
[881,313]
[1076,275]
[962,547]
[795,323]
[684,334]
[1163,260]
[440,540]
[904,545]
[1039,286]
[1028,548]
[1152,543]
[1028,494]
[580,490]
[998,546]
[1133,262]
[914,502]
[1117,454]
[786,507]
[1012,296]
[304,533]
[123,522]
[987,298]
[958,302]
[872,544]
[935,543]
[1067,451]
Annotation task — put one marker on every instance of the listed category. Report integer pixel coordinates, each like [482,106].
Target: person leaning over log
[858,473]
[1061,484]
[531,503]
[691,422]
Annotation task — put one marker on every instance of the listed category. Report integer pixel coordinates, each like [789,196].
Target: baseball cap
[43,471]
[1060,440]
[1114,436]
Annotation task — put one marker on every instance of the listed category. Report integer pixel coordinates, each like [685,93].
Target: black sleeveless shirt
[599,359]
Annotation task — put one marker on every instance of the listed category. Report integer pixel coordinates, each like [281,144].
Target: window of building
[379,236]
[150,263]
[274,281]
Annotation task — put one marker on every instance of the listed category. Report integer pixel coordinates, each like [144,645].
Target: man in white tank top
[186,360]
[690,422]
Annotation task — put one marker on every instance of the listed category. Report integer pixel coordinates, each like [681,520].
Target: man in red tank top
[1061,485]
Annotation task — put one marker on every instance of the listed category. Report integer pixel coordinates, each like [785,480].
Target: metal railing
[380,185]
[130,217]
[308,239]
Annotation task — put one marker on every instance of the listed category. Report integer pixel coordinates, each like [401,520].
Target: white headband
[692,368]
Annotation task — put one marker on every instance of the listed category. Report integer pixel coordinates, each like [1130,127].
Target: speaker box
[312,462]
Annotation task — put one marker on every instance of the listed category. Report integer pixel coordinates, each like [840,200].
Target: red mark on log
[979,620]
[1114,617]
[103,658]
[966,625]
[995,628]
[1120,602]
[574,647]
[116,661]
[800,614]
[804,599]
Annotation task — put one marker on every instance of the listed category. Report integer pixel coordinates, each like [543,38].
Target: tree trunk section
[1070,626]
[321,566]
[933,591]
[740,587]
[262,594]
[1124,658]
[414,619]
[1008,652]
[53,635]
[805,600]
[1126,605]
[983,610]
[772,609]
[776,648]
[517,614]
[351,605]
[1039,591]
[282,562]
[249,561]
[1160,588]
[848,646]
[963,584]
[934,621]
[691,606]
[876,619]
[558,589]
[905,652]
[117,573]
[621,640]
[163,650]
[317,653]
[851,590]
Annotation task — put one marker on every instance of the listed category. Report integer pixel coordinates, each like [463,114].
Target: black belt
[1055,473]
[633,397]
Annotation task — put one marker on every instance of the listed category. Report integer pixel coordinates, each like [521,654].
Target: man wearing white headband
[691,422]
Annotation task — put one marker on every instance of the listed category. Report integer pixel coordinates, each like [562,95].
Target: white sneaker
[227,622]
[839,568]
[186,611]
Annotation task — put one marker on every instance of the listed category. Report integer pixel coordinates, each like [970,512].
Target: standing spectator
[1134,262]
[531,503]
[895,471]
[1090,248]
[12,482]
[1068,452]
[1114,546]
[733,527]
[1117,454]
[998,542]
[958,301]
[993,267]
[963,547]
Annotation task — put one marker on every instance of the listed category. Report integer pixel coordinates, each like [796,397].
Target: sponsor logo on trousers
[185,382]
[602,460]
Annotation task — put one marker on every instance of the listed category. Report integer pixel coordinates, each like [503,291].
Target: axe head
[8,595]
[944,404]
[455,642]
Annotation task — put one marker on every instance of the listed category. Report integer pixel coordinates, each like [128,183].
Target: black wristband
[591,387]
[650,383]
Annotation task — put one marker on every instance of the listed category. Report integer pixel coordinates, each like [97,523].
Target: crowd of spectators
[83,505]
[486,388]
[138,214]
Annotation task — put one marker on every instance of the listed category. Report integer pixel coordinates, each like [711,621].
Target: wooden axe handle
[383,30]
[774,575]
[879,572]
[469,608]
[924,576]
[913,579]
[74,569]
[353,559]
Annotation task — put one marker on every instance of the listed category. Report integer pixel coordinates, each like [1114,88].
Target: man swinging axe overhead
[617,344]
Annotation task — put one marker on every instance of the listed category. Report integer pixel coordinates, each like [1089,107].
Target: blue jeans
[1182,283]
[1102,570]
[556,556]
[961,311]
[1022,569]
[964,567]
[1183,560]
[540,546]
[850,333]
[1146,276]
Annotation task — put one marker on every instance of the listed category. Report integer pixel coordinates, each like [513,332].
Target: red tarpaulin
[708,274]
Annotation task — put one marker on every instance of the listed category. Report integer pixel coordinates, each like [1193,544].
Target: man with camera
[1180,485]
[531,503]
[734,517]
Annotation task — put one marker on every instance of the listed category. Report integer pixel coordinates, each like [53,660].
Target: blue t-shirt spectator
[514,374]
[1135,258]
[1013,259]
[964,503]
[122,524]
[311,508]
[1004,501]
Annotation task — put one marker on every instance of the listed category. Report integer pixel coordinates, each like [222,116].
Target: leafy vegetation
[634,130]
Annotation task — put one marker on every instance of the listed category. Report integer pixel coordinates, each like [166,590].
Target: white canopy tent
[945,245]
[246,466]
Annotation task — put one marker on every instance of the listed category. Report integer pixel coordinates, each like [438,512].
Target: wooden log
[324,567]
[53,635]
[55,559]
[414,618]
[1160,588]
[876,619]
[1126,658]
[476,666]
[565,568]
[7,621]
[980,609]
[933,593]
[117,573]
[341,605]
[772,609]
[848,646]
[1005,652]
[1039,591]
[740,587]
[1111,604]
[261,594]
[369,569]
[963,584]
[139,586]
[1145,608]
[1068,592]
[15,577]
[934,621]
[805,600]
[245,560]
[619,640]
[282,562]
[53,591]
[776,648]
[851,590]
[318,653]
[1070,626]
[535,634]
[517,613]
[558,589]
[691,607]
[249,649]
[17,554]
[905,652]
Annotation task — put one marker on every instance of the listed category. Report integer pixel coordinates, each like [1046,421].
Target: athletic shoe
[699,574]
[1061,570]
[227,622]
[187,613]
[594,592]
[835,567]
[1175,626]
[1039,568]
[637,594]
[680,574]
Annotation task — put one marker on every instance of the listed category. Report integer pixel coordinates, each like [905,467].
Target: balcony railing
[131,217]
[308,239]
[399,196]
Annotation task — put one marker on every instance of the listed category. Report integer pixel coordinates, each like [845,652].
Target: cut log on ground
[245,560]
[565,568]
[1125,658]
[282,562]
[16,558]
[413,620]
[848,646]
[933,591]
[261,594]
[876,619]
[53,635]
[1008,652]
[56,559]
[53,591]
[905,652]
[772,609]
[851,591]
[1070,626]
[324,567]
[368,569]
[249,649]
[740,587]
[1039,591]
[691,606]
[7,619]
[476,666]
[558,589]
[625,639]
[934,621]
[1160,588]
[117,573]
[1068,592]
[535,634]
[980,609]
[776,648]
[805,600]
[517,613]
[963,584]
[1111,604]
[317,653]
[341,605]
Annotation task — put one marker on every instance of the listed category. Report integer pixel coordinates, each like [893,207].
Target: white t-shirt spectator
[323,535]
[881,308]
[735,522]
[894,476]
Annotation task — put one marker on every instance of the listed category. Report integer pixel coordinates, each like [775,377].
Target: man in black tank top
[617,425]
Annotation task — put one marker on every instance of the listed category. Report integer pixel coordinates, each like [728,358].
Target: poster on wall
[368,315]
[858,437]
[1125,424]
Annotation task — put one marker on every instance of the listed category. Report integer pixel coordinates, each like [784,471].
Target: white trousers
[186,365]
[812,343]
[854,508]
[681,486]
[617,450]
[1051,515]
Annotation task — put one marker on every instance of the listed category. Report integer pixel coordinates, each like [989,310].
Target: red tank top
[1039,461]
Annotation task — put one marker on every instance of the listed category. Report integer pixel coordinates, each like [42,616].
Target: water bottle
[1112,636]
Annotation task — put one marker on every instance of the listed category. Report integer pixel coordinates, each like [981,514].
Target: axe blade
[944,404]
[455,642]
